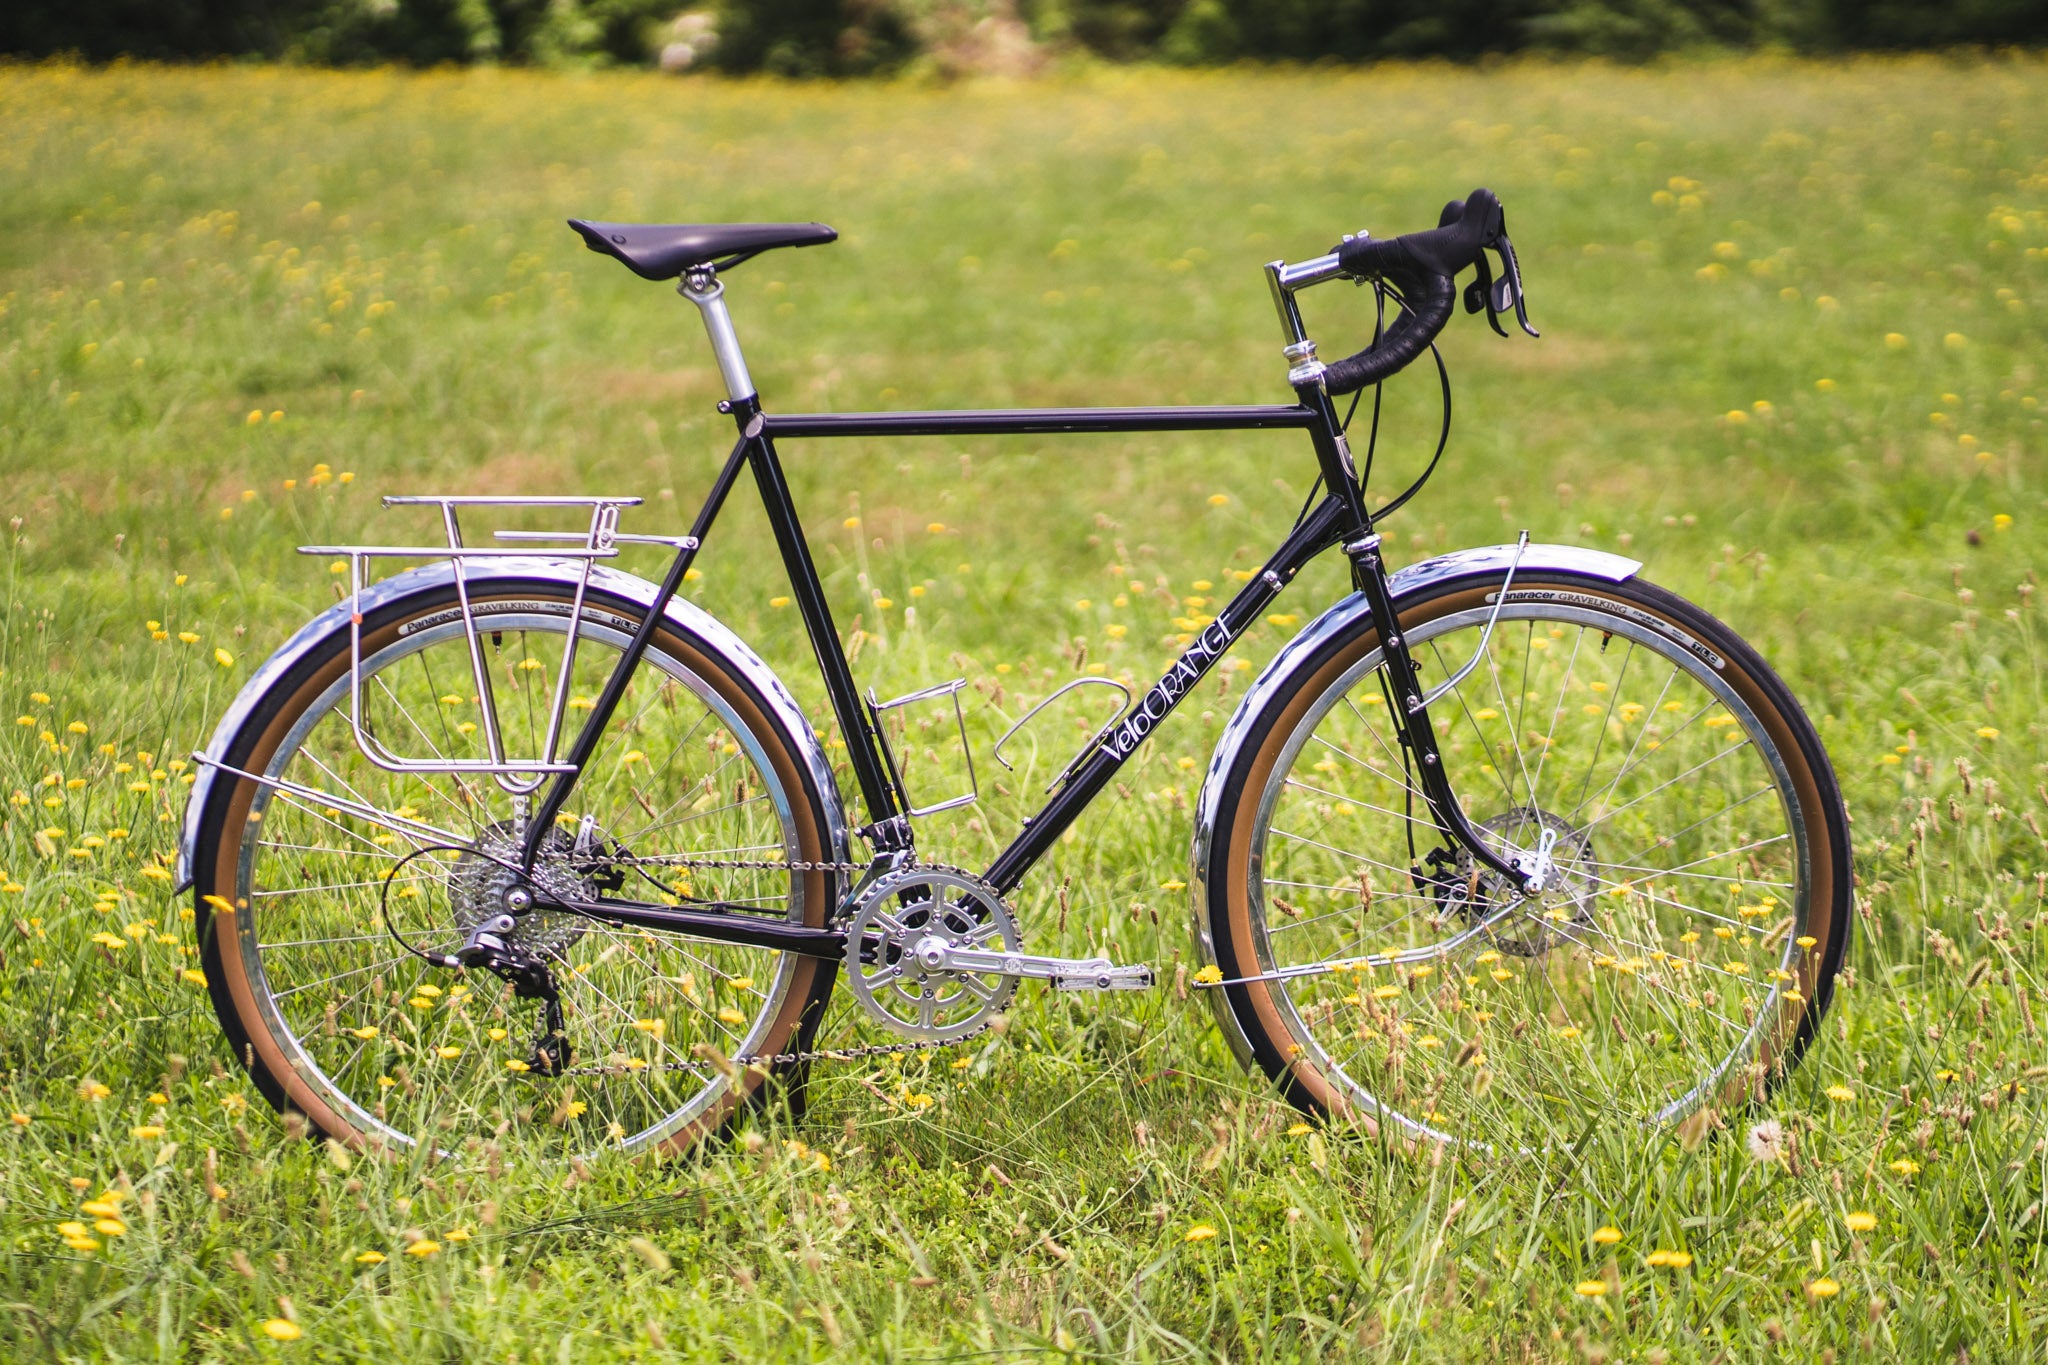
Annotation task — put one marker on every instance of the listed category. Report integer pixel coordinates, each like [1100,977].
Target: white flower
[1767,1141]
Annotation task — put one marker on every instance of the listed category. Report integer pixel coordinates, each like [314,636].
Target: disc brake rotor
[1533,928]
[923,906]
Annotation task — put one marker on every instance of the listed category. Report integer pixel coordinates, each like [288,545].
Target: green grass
[181,251]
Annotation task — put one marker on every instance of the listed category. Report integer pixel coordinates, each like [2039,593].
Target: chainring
[901,910]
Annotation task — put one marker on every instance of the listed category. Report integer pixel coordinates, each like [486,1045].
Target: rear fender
[685,616]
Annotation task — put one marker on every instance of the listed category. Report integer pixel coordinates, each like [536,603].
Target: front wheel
[1699,907]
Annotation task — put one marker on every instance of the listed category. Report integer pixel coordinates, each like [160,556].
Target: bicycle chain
[823,1054]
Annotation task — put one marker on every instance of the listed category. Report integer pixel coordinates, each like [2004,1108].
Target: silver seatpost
[703,288]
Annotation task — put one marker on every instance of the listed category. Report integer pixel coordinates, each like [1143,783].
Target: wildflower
[1591,1289]
[1895,340]
[423,1248]
[1955,341]
[281,1329]
[1200,1232]
[95,1091]
[515,1066]
[778,602]
[1861,1221]
[1840,1093]
[1905,1166]
[1209,975]
[1767,1141]
[1299,1130]
[370,1258]
[1219,499]
[1987,732]
[225,660]
[159,1097]
[1822,1288]
[19,1119]
[147,1132]
[448,1052]
[192,976]
[1607,1236]
[188,637]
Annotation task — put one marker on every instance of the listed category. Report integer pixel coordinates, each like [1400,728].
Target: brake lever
[1483,293]
[1511,285]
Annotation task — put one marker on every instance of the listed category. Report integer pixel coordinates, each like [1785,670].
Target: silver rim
[409,1052]
[1646,983]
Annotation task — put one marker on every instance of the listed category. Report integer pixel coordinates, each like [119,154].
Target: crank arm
[1065,973]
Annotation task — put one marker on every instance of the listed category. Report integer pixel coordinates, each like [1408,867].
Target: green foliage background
[856,37]
[373,265]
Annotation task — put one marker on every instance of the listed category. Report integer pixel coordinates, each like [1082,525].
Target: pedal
[1064,973]
[1104,975]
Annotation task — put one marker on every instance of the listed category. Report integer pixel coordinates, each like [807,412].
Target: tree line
[864,37]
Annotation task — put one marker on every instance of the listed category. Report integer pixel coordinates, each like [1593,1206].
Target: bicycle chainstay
[775,1059]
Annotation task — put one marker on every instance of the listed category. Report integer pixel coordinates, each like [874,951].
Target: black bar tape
[1422,266]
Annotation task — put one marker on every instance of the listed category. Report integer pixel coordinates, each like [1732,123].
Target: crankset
[934,953]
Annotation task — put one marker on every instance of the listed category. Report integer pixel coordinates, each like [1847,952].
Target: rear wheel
[313,912]
[1698,911]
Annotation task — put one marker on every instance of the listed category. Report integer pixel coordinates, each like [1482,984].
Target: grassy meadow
[1792,359]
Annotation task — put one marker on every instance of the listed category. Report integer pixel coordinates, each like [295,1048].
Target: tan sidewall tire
[1260,1015]
[234,993]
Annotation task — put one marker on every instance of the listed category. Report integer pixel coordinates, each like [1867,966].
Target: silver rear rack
[600,539]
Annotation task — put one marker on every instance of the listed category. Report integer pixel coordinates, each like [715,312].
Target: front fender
[686,616]
[1339,622]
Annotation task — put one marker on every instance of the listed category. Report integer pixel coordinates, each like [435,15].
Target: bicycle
[1631,902]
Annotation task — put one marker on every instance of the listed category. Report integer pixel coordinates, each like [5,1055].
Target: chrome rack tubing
[486,700]
[372,748]
[1478,653]
[604,525]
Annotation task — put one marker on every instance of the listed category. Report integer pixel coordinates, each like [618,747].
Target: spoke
[1637,801]
[1342,853]
[1362,803]
[311,942]
[378,965]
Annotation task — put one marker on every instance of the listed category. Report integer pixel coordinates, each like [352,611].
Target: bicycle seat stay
[663,251]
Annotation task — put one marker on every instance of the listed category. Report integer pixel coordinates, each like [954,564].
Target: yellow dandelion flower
[370,1258]
[423,1248]
[1200,1232]
[1986,732]
[1607,1236]
[147,1132]
[1209,975]
[1905,1166]
[1822,1288]
[1591,1289]
[1840,1093]
[1861,1221]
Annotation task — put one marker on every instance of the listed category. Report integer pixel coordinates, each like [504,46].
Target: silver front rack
[600,539]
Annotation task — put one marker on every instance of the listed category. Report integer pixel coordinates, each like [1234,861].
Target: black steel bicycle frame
[1340,518]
